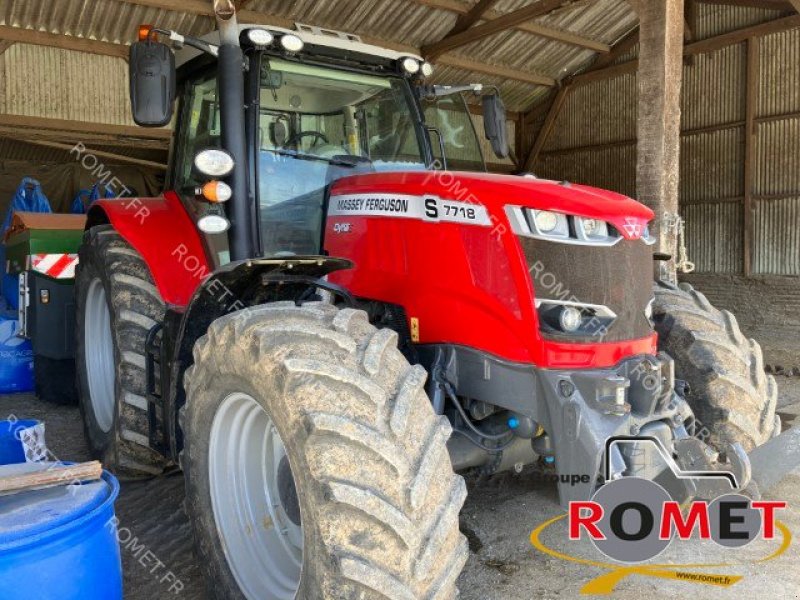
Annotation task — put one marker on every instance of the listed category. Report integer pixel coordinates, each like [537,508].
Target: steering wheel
[318,136]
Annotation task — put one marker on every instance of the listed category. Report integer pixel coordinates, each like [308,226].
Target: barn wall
[594,141]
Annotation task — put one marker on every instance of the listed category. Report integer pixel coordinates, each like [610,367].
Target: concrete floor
[498,517]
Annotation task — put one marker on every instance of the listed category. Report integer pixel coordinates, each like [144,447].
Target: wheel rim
[254,500]
[99,355]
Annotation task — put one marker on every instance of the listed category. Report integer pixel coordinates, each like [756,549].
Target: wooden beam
[139,162]
[477,110]
[795,5]
[621,47]
[495,70]
[566,37]
[491,27]
[64,42]
[474,15]
[690,20]
[750,131]
[547,128]
[5,45]
[741,35]
[62,125]
[630,66]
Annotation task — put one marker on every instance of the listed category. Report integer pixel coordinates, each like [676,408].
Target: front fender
[164,234]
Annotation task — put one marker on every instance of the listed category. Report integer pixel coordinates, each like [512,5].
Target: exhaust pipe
[230,76]
[225,11]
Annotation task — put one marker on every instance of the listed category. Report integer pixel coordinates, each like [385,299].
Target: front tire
[365,504]
[117,304]
[729,392]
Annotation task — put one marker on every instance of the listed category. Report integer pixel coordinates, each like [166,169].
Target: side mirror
[494,124]
[152,82]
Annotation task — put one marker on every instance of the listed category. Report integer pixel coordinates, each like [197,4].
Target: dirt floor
[498,517]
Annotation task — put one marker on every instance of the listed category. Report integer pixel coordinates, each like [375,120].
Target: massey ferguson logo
[632,227]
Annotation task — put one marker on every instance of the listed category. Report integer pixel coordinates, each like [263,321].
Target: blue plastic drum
[60,543]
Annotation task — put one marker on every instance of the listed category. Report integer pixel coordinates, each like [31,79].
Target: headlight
[213,223]
[551,223]
[410,65]
[574,319]
[292,43]
[214,162]
[648,237]
[570,318]
[593,228]
[427,69]
[259,37]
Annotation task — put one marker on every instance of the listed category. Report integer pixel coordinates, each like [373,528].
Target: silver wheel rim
[248,470]
[99,355]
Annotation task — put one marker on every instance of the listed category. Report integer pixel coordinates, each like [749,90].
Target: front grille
[619,277]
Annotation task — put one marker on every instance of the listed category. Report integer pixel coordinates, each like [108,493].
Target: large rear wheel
[117,304]
[729,392]
[315,466]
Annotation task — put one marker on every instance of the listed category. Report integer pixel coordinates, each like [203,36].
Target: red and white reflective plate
[57,266]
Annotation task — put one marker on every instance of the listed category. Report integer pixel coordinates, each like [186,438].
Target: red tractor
[334,285]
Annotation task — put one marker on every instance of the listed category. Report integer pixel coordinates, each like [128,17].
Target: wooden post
[750,131]
[659,115]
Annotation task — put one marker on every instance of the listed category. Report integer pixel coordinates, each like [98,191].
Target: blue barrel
[16,358]
[60,543]
[15,436]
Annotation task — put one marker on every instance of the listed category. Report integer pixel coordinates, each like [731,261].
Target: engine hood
[497,191]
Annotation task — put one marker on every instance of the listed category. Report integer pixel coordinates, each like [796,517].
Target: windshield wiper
[338,161]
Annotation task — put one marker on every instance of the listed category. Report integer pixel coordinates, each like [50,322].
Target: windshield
[318,124]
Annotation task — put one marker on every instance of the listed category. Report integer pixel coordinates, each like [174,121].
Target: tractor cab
[319,106]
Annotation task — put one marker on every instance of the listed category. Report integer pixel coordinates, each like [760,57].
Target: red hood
[497,191]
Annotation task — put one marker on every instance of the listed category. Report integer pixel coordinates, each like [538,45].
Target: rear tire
[377,497]
[730,394]
[117,304]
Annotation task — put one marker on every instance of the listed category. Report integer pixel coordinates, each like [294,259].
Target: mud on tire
[134,305]
[378,498]
[730,393]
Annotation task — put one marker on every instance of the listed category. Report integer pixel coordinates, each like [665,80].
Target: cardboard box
[41,233]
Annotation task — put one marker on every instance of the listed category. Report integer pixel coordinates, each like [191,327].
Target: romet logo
[633,520]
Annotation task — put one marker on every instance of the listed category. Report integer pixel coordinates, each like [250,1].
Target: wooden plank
[139,162]
[547,127]
[5,45]
[795,5]
[741,35]
[491,27]
[125,131]
[495,70]
[50,477]
[750,131]
[64,42]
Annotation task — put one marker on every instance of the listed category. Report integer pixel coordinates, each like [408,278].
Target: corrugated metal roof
[409,22]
